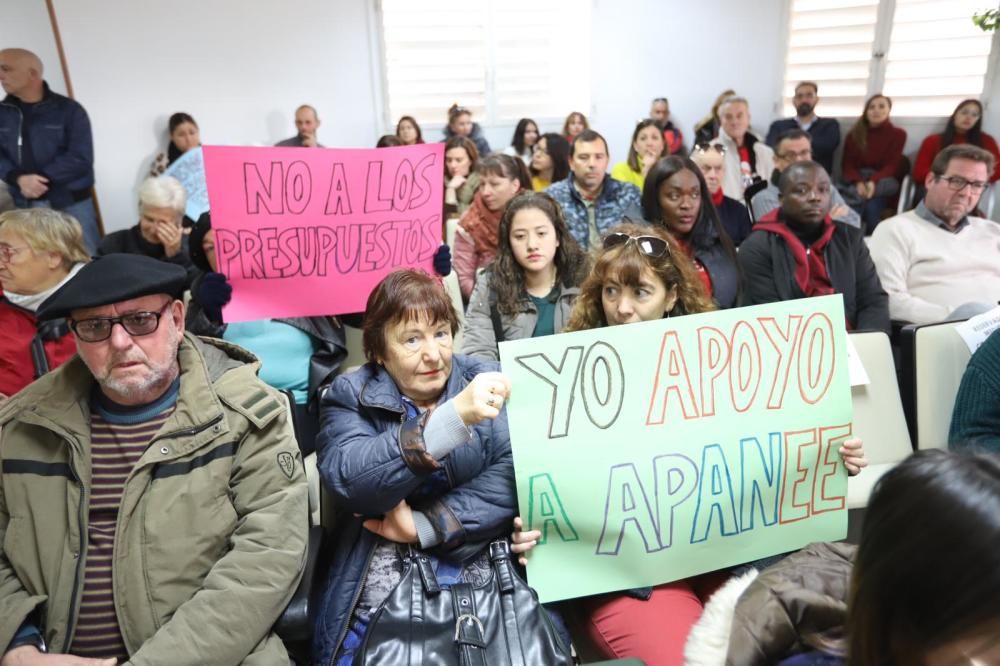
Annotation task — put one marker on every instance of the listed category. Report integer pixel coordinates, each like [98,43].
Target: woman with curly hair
[641,274]
[530,288]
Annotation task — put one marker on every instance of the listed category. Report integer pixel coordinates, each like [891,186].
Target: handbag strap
[469,634]
[430,582]
[500,557]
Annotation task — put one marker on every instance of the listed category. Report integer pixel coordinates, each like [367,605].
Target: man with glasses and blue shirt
[938,262]
[153,505]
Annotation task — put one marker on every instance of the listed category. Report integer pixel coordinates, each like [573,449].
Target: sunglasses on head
[651,246]
[704,147]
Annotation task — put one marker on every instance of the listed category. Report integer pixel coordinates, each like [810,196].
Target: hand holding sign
[696,443]
[311,232]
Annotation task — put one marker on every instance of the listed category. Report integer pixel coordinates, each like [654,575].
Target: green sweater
[975,421]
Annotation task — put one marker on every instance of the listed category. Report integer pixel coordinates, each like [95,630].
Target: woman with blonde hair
[708,127]
[40,250]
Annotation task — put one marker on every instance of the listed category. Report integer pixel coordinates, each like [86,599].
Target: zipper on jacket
[81,558]
[354,603]
[189,431]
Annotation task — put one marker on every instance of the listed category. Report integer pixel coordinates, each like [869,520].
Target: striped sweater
[119,436]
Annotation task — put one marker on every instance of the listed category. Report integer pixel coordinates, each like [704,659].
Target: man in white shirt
[937,262]
[748,157]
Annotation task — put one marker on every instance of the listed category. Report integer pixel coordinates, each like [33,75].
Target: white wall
[25,24]
[240,67]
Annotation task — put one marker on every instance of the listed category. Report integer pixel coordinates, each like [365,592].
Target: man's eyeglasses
[7,252]
[648,245]
[957,184]
[704,147]
[792,156]
[136,324]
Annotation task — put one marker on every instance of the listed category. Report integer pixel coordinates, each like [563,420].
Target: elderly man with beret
[153,505]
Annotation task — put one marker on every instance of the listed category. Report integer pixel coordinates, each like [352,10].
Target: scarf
[810,266]
[717,197]
[30,302]
[482,224]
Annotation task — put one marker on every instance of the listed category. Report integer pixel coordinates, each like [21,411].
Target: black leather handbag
[497,623]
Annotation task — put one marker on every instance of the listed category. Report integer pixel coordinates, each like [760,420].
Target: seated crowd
[154,506]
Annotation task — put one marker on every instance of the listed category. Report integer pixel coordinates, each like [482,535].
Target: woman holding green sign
[642,274]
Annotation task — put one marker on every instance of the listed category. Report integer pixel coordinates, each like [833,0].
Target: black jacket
[769,271]
[735,219]
[130,241]
[61,146]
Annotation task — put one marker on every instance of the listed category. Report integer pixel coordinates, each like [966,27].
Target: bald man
[46,148]
[306,122]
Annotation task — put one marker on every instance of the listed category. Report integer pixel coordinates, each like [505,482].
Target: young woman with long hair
[460,178]
[550,161]
[646,147]
[873,161]
[408,131]
[531,287]
[964,126]
[676,196]
[500,178]
[522,144]
[575,123]
[184,135]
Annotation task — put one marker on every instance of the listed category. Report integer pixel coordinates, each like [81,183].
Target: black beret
[111,279]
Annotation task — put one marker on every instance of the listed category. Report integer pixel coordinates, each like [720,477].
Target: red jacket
[932,146]
[883,154]
[19,328]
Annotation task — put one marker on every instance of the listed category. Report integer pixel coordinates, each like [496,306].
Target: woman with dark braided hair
[529,290]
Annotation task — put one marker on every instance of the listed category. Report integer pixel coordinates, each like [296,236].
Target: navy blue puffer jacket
[367,461]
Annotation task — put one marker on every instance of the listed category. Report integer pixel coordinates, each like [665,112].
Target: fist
[483,398]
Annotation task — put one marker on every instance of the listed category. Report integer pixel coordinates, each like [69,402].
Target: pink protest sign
[304,232]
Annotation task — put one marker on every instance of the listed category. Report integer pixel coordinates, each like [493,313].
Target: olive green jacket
[212,528]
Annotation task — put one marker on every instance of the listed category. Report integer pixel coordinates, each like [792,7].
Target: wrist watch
[31,639]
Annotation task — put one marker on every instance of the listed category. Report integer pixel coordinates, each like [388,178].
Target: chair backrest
[988,200]
[878,409]
[455,293]
[934,357]
[355,351]
[906,191]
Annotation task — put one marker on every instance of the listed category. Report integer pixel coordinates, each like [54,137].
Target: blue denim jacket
[615,200]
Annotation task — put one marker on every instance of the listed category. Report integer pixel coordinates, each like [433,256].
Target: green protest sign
[651,452]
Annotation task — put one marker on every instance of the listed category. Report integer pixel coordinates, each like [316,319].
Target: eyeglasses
[651,246]
[136,324]
[704,147]
[7,252]
[792,156]
[957,184]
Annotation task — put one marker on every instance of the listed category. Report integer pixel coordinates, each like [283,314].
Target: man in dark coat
[798,251]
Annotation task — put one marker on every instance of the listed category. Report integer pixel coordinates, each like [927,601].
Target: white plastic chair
[878,416]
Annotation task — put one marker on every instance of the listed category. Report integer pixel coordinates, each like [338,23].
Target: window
[926,55]
[501,60]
